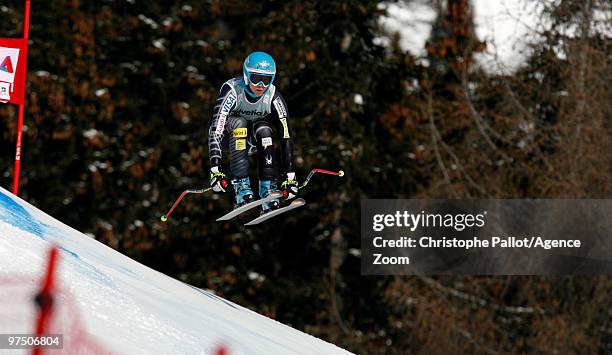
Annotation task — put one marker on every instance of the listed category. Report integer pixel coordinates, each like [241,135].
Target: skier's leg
[266,163]
[237,129]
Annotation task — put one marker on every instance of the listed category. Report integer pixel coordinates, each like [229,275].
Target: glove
[290,186]
[218,180]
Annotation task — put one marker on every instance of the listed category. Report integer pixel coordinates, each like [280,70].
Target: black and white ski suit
[244,125]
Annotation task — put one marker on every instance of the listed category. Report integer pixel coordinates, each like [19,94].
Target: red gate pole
[26,29]
[44,299]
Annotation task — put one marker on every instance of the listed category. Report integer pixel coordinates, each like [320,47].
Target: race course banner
[12,70]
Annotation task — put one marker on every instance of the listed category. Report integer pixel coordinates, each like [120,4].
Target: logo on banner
[7,65]
[5,89]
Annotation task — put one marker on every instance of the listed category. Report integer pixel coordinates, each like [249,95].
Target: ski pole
[339,173]
[188,191]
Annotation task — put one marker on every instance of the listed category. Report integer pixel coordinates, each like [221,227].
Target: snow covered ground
[127,307]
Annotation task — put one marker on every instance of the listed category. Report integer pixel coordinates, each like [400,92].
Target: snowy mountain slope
[126,306]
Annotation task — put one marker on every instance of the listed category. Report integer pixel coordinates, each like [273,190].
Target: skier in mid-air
[246,113]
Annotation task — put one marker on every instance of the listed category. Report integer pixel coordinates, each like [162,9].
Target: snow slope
[126,306]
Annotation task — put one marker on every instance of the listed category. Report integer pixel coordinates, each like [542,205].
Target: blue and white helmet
[259,68]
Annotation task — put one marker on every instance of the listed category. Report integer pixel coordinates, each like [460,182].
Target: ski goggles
[261,79]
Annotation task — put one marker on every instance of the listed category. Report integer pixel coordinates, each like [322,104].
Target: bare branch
[480,123]
[435,140]
[481,301]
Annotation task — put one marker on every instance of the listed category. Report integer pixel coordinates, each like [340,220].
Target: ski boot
[244,194]
[266,187]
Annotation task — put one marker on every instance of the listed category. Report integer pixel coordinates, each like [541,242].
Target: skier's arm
[225,103]
[279,109]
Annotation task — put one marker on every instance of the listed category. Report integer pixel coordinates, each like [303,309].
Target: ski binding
[249,206]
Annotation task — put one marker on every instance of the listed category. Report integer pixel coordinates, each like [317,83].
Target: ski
[249,206]
[298,202]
